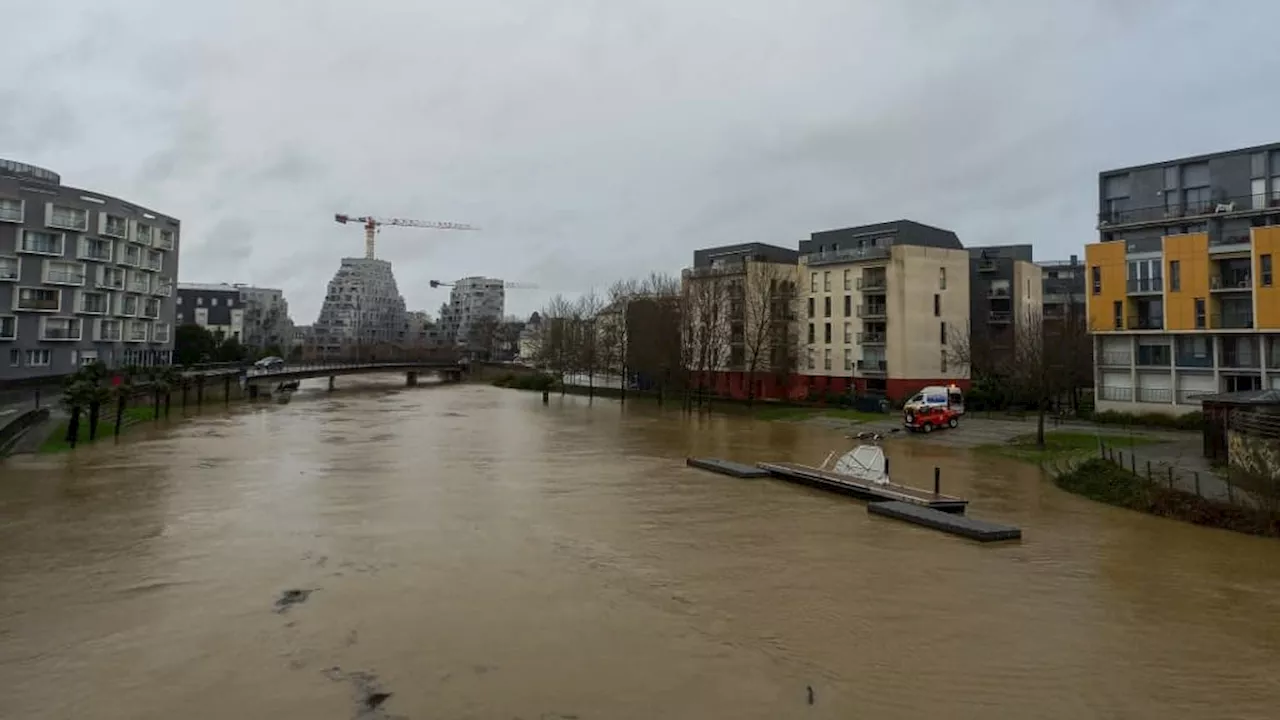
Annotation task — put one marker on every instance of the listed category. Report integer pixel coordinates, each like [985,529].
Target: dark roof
[1191,158]
[1245,397]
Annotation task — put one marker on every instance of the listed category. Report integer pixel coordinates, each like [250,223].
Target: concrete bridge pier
[253,391]
[411,379]
[331,379]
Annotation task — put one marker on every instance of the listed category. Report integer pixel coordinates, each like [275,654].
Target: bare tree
[706,328]
[653,318]
[767,312]
[586,321]
[482,337]
[613,333]
[1029,363]
[1068,337]
[554,344]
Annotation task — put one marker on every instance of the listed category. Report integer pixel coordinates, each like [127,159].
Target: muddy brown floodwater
[467,552]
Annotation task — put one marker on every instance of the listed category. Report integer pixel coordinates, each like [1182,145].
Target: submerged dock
[726,467]
[961,525]
[847,485]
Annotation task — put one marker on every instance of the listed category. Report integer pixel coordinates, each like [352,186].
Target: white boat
[866,462]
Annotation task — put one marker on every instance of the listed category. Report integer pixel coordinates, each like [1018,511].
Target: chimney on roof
[1075,259]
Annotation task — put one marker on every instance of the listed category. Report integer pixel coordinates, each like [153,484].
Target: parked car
[268,363]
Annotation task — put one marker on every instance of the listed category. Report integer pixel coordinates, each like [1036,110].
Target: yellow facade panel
[1186,260]
[1266,242]
[1105,263]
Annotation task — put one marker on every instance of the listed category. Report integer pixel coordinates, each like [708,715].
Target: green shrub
[1189,421]
[536,381]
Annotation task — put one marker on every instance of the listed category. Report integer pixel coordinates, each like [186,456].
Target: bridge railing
[292,368]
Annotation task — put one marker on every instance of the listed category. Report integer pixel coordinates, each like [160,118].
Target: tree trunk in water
[95,408]
[591,383]
[624,382]
[73,426]
[119,415]
[168,399]
[155,405]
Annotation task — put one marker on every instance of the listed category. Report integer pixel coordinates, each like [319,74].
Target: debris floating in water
[292,597]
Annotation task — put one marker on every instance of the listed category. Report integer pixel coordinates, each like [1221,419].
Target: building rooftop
[209,287]
[1191,158]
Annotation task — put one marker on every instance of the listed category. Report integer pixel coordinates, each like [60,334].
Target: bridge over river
[449,370]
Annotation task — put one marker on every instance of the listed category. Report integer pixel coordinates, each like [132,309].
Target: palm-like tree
[77,393]
[123,390]
[97,394]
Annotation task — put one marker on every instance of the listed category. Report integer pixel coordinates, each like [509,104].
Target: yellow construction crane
[374,224]
[505,284]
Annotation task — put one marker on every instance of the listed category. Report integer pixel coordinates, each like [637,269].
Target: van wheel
[928,427]
[952,423]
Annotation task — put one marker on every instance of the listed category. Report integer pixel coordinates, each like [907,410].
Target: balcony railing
[1116,358]
[154,264]
[1000,317]
[995,293]
[139,285]
[112,281]
[1145,322]
[1241,361]
[1145,285]
[1155,395]
[1154,356]
[1193,361]
[64,277]
[43,303]
[163,289]
[8,269]
[1230,243]
[1235,281]
[94,304]
[161,334]
[987,265]
[846,255]
[1240,205]
[165,241]
[1115,394]
[870,338]
[1231,321]
[872,367]
[68,331]
[735,268]
[136,333]
[869,283]
[872,311]
[109,332]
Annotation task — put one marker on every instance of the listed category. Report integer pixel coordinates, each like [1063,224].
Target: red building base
[802,387]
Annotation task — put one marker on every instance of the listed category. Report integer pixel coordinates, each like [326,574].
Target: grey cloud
[597,140]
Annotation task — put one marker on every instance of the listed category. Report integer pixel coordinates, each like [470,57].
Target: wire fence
[1188,474]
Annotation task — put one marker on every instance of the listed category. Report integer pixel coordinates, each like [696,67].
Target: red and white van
[933,407]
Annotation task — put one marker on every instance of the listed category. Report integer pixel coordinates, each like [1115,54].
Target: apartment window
[129,306]
[66,218]
[179,318]
[848,332]
[10,210]
[199,301]
[848,358]
[40,242]
[113,226]
[942,332]
[826,333]
[1117,309]
[109,277]
[1258,165]
[808,355]
[63,273]
[1175,275]
[9,268]
[15,358]
[811,302]
[8,327]
[826,281]
[1264,270]
[848,281]
[826,359]
[178,301]
[848,306]
[826,306]
[38,358]
[39,299]
[813,282]
[1199,313]
[142,234]
[942,278]
[811,334]
[1275,178]
[937,305]
[132,256]
[1095,279]
[166,240]
[213,302]
[942,362]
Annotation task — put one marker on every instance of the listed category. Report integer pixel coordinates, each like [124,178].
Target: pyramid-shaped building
[363,307]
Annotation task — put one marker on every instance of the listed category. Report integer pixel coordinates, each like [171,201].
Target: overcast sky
[596,139]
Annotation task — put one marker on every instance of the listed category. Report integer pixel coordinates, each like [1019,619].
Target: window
[943,361]
[848,306]
[1264,270]
[179,318]
[826,333]
[110,277]
[93,303]
[63,273]
[1095,279]
[10,210]
[848,282]
[942,278]
[826,281]
[15,358]
[53,328]
[848,332]
[811,334]
[808,354]
[129,306]
[848,358]
[142,234]
[811,301]
[9,268]
[8,327]
[66,218]
[166,240]
[1196,200]
[813,282]
[1171,177]
[1199,313]
[937,305]
[826,359]
[1117,309]
[1175,275]
[113,226]
[40,242]
[826,306]
[213,302]
[132,256]
[942,332]
[37,358]
[1258,165]
[94,249]
[179,300]
[39,299]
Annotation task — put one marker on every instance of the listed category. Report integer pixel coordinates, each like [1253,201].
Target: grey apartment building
[84,277]
[1181,287]
[476,305]
[214,307]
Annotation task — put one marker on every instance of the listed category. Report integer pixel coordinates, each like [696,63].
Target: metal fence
[1185,473]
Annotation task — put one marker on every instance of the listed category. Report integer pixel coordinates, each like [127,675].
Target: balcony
[870,338]
[847,255]
[38,300]
[871,312]
[163,287]
[868,283]
[1232,321]
[1243,205]
[138,284]
[988,265]
[11,210]
[1240,360]
[137,332]
[1232,282]
[1145,322]
[155,261]
[96,250]
[114,226]
[729,268]
[93,304]
[142,234]
[998,292]
[66,218]
[872,367]
[1000,317]
[160,334]
[1154,356]
[165,240]
[1184,360]
[8,328]
[1230,244]
[1115,358]
[109,331]
[60,329]
[40,243]
[111,278]
[1139,286]
[64,275]
[8,269]
[1155,395]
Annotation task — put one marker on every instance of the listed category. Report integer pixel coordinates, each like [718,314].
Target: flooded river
[476,554]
